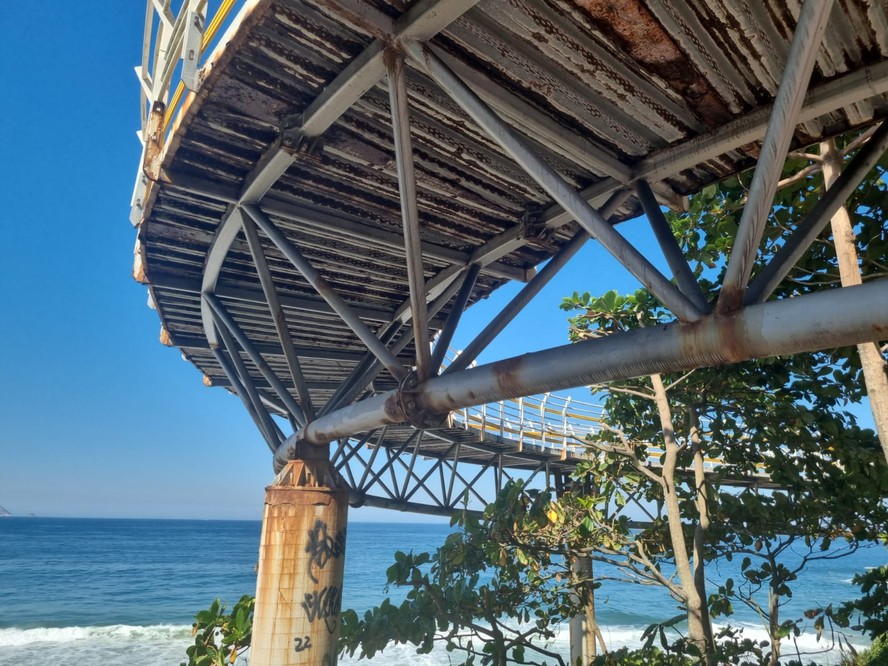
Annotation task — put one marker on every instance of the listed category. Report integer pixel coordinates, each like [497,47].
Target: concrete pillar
[301,559]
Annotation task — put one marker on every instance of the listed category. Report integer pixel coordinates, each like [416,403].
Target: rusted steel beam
[422,21]
[279,316]
[547,178]
[790,326]
[225,319]
[255,296]
[241,392]
[400,110]
[682,272]
[807,231]
[354,228]
[787,105]
[246,389]
[264,384]
[846,90]
[358,327]
[228,229]
[362,376]
[359,378]
[514,307]
[319,353]
[459,306]
[270,167]
[579,149]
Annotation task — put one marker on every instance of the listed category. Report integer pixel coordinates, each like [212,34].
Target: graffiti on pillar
[323,605]
[302,644]
[322,547]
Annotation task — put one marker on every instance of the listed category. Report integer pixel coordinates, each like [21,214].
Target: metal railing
[549,421]
[176,37]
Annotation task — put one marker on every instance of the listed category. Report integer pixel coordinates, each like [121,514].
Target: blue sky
[96,417]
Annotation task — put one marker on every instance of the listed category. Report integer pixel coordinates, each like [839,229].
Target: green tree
[781,419]
[494,592]
[220,637]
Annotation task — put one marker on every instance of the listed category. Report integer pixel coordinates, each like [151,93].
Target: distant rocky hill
[4,512]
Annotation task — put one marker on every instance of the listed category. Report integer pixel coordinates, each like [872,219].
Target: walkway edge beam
[813,322]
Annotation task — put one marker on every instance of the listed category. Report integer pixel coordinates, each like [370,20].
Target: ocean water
[113,592]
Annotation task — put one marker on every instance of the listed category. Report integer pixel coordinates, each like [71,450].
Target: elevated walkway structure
[327,184]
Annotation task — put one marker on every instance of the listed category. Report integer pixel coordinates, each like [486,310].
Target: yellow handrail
[216,22]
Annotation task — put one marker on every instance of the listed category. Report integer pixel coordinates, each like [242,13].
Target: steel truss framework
[386,424]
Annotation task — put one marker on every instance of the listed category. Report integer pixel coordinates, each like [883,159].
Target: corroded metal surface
[301,560]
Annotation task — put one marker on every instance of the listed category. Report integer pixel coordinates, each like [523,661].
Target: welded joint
[294,140]
[408,389]
[533,226]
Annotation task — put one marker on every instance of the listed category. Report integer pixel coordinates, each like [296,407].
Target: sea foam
[164,645]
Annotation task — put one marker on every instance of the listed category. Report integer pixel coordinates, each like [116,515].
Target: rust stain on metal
[154,141]
[701,346]
[300,572]
[508,376]
[393,410]
[139,264]
[638,32]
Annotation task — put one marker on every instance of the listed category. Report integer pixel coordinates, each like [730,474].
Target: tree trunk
[872,362]
[774,614]
[585,634]
[700,500]
[694,604]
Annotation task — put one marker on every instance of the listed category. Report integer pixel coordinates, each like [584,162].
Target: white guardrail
[552,421]
[549,421]
[175,39]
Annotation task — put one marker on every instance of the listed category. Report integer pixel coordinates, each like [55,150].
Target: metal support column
[784,116]
[301,562]
[790,326]
[397,85]
[547,178]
